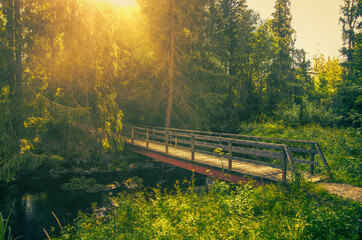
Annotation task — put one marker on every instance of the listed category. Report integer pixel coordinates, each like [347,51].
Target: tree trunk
[18,70]
[171,68]
[11,46]
[14,65]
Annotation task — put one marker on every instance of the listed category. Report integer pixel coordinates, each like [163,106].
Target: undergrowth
[225,212]
[342,147]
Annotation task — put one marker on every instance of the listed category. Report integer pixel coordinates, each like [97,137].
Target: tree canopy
[73,71]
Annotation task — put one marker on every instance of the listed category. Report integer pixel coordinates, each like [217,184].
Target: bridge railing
[275,153]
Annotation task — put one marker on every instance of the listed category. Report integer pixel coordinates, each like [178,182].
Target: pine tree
[348,100]
[279,80]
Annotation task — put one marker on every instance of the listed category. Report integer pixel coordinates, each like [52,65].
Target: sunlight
[128,9]
[124,3]
[121,3]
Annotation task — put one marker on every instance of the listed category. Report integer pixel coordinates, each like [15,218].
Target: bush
[341,146]
[226,212]
[307,113]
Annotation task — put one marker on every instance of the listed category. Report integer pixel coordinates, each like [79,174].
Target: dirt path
[344,190]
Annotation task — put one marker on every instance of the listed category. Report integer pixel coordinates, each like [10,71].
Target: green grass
[342,147]
[226,212]
[5,230]
[298,211]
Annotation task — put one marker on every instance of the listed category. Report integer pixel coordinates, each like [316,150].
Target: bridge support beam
[191,166]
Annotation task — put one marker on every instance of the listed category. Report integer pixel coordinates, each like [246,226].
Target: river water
[32,201]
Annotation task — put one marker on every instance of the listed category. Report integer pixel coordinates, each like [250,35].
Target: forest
[73,73]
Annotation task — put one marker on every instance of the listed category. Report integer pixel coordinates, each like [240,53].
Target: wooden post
[290,159]
[192,147]
[322,156]
[258,140]
[166,141]
[147,138]
[284,167]
[311,170]
[175,141]
[132,135]
[230,151]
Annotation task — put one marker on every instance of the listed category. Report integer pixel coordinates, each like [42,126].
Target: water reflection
[31,202]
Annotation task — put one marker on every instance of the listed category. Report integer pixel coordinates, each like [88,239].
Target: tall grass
[225,212]
[342,147]
[5,230]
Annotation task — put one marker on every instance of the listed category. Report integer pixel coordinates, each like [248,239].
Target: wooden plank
[184,141]
[301,150]
[259,153]
[239,165]
[210,136]
[311,169]
[305,161]
[211,153]
[230,151]
[244,142]
[210,145]
[290,158]
[193,167]
[259,144]
[322,156]
[157,137]
[256,162]
[230,135]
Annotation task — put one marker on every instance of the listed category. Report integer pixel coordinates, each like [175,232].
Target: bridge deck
[238,167]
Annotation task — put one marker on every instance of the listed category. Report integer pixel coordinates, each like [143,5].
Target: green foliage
[225,212]
[306,113]
[347,101]
[348,105]
[83,184]
[279,80]
[329,76]
[5,230]
[8,145]
[341,146]
[86,67]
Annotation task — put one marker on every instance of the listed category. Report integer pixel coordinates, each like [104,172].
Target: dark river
[32,201]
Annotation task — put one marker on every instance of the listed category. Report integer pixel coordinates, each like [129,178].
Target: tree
[348,100]
[13,42]
[351,25]
[279,80]
[230,30]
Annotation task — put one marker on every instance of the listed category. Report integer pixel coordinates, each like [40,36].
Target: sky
[316,23]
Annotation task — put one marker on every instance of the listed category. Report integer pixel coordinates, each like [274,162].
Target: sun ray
[119,3]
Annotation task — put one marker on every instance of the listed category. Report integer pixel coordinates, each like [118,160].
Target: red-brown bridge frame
[189,165]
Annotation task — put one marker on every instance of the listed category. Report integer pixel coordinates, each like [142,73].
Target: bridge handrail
[230,135]
[189,138]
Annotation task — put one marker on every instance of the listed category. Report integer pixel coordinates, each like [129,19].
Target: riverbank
[225,212]
[31,200]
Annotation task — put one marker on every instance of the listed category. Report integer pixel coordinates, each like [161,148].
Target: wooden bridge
[228,157]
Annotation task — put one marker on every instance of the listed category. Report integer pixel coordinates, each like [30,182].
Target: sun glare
[123,3]
[128,8]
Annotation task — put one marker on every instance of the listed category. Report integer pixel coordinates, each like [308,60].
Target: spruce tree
[279,80]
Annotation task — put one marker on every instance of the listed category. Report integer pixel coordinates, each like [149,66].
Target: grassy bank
[342,147]
[303,211]
[226,212]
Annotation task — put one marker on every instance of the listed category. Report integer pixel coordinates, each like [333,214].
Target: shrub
[225,212]
[341,146]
